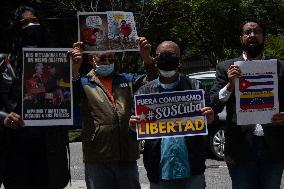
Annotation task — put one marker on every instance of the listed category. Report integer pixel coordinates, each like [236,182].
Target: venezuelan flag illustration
[256,92]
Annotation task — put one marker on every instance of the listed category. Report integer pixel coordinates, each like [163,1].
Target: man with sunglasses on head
[254,153]
[176,162]
[110,149]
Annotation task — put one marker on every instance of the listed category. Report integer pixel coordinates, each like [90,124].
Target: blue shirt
[174,158]
[174,154]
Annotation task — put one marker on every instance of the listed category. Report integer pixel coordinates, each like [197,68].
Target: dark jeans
[259,172]
[112,175]
[25,167]
[195,182]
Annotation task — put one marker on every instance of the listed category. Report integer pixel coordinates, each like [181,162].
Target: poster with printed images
[47,90]
[256,92]
[170,114]
[113,31]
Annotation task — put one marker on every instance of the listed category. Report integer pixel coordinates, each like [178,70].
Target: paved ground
[216,176]
[216,173]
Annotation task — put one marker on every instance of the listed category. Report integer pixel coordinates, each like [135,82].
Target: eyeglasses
[255,31]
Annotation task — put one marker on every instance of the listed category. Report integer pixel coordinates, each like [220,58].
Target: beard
[253,50]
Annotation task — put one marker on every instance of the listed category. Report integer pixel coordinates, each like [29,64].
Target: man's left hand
[145,50]
[278,119]
[209,113]
[133,121]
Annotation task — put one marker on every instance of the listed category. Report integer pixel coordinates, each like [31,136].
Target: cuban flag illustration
[146,115]
[256,91]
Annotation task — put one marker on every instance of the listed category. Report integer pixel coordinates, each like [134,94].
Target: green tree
[274,46]
[203,28]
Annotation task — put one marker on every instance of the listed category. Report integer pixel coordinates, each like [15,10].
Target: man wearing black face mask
[254,153]
[30,157]
[176,162]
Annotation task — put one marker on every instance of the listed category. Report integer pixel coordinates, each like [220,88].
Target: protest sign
[47,91]
[256,92]
[170,114]
[112,31]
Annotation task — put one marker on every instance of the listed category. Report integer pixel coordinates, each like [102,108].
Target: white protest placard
[47,90]
[256,92]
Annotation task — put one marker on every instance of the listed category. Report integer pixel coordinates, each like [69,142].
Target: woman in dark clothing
[30,157]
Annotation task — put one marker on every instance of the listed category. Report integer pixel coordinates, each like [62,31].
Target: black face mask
[33,36]
[167,61]
[253,51]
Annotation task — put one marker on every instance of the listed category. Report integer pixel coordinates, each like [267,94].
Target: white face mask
[30,24]
[167,73]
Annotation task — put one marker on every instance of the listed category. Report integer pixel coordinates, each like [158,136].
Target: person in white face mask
[105,96]
[168,61]
[176,162]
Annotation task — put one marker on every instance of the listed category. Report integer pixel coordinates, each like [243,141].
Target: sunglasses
[105,59]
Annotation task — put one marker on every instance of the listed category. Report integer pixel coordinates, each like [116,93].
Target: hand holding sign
[77,58]
[145,50]
[133,121]
[278,119]
[209,113]
[13,121]
[233,72]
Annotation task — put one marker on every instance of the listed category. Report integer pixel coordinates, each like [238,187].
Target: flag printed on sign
[256,91]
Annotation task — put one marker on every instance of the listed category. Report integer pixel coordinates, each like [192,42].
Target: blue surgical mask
[104,70]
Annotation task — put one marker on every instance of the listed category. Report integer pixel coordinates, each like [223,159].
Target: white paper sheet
[256,92]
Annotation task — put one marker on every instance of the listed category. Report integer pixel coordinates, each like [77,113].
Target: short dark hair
[244,22]
[20,10]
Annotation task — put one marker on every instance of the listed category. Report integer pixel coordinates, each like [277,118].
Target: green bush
[274,46]
[74,135]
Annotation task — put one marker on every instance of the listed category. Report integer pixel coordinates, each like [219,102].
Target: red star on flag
[244,84]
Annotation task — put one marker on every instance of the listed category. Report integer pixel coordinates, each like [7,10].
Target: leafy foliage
[274,46]
[203,28]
